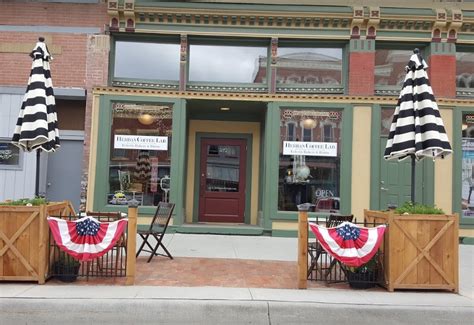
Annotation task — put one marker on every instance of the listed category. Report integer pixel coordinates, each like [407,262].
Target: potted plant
[364,276]
[24,237]
[66,268]
[420,249]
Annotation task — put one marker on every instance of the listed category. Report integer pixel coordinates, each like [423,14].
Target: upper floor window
[309,66]
[146,60]
[390,66]
[465,70]
[228,63]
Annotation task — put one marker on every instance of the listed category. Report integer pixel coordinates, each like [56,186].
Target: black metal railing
[112,264]
[323,267]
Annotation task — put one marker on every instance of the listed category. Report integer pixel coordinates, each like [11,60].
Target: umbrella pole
[413,179]
[37,173]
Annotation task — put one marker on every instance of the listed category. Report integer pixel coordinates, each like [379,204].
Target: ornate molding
[265,97]
[361,22]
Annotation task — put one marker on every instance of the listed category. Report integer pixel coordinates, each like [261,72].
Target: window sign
[327,149]
[140,142]
[9,154]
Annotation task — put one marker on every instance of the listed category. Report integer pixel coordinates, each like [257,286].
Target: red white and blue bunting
[349,243]
[87,238]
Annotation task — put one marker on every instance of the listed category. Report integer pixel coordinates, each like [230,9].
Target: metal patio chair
[317,252]
[156,230]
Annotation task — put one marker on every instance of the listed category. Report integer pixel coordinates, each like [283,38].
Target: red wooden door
[222,180]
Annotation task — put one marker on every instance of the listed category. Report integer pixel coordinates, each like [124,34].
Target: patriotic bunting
[349,243]
[87,238]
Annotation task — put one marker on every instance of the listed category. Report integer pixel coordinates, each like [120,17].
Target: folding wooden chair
[316,251]
[157,230]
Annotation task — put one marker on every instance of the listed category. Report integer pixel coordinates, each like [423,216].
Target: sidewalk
[229,301]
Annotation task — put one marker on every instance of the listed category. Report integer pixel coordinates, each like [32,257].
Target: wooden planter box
[24,236]
[420,251]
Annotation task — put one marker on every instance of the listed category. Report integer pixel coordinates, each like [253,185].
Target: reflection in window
[390,66]
[309,66]
[222,171]
[141,60]
[467,145]
[140,172]
[386,121]
[218,63]
[307,133]
[9,154]
[312,179]
[465,70]
[290,131]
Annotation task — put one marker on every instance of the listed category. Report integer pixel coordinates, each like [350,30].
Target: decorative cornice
[342,99]
[361,22]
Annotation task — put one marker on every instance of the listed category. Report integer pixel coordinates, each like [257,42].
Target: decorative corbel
[439,25]
[373,23]
[454,25]
[129,14]
[112,11]
[357,21]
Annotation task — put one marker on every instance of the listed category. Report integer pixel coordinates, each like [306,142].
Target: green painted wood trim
[362,45]
[397,45]
[346,158]
[285,233]
[438,48]
[178,166]
[103,151]
[341,33]
[271,162]
[246,7]
[375,155]
[231,230]
[457,166]
[248,176]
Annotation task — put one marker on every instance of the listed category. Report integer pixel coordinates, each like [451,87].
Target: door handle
[383,189]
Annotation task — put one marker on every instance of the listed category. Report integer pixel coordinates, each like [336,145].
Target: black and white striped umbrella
[417,130]
[37,127]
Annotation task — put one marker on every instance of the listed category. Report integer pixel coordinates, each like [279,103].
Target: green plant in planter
[35,201]
[66,268]
[417,208]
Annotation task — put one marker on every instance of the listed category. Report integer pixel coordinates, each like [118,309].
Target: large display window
[310,159]
[467,143]
[140,155]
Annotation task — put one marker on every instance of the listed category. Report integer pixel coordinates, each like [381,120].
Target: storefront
[239,118]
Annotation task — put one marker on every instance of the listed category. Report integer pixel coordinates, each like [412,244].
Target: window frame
[315,88]
[18,166]
[141,82]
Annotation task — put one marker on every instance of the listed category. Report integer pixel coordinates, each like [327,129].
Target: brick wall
[53,14]
[361,73]
[68,68]
[442,74]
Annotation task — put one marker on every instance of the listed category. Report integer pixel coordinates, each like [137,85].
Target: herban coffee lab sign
[140,142]
[325,149]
